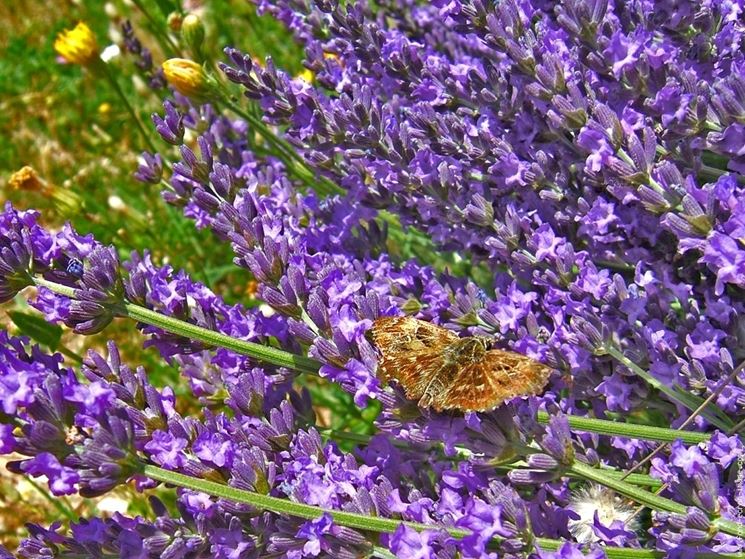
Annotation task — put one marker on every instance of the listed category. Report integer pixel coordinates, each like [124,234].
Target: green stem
[362,439]
[136,119]
[162,37]
[647,498]
[736,428]
[358,521]
[70,354]
[259,352]
[285,506]
[708,172]
[711,413]
[630,430]
[60,504]
[382,553]
[642,480]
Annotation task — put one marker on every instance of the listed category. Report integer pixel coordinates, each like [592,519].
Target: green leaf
[36,328]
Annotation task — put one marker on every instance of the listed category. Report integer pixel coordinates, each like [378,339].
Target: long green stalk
[361,521]
[103,68]
[290,157]
[259,352]
[630,430]
[285,506]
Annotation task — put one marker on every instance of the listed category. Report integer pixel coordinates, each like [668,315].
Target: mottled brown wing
[410,351]
[498,377]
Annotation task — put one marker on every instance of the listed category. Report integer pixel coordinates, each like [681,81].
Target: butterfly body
[443,371]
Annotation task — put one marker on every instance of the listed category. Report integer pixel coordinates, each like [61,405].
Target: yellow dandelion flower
[78,45]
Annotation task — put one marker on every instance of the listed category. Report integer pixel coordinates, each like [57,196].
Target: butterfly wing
[500,376]
[410,351]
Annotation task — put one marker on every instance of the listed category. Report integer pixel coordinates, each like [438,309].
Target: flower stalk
[630,430]
[377,524]
[106,72]
[289,155]
[259,352]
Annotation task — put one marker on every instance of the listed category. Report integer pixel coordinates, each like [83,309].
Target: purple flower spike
[15,264]
[144,58]
[151,169]
[558,440]
[17,251]
[170,128]
[98,299]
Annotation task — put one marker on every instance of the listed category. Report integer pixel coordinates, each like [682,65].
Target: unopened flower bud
[78,45]
[175,20]
[188,78]
[192,32]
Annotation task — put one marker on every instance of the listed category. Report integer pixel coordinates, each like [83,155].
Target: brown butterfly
[446,372]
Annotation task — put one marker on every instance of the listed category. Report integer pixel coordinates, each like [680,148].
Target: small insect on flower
[446,372]
[75,268]
[78,45]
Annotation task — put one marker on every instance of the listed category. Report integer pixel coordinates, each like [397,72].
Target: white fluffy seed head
[592,497]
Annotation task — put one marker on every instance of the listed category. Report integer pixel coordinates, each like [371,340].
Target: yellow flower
[25,179]
[307,75]
[77,46]
[187,77]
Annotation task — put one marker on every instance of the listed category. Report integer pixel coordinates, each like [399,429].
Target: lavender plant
[584,157]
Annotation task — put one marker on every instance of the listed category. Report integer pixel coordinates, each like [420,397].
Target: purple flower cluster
[534,150]
[567,145]
[587,155]
[90,435]
[122,432]
[696,479]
